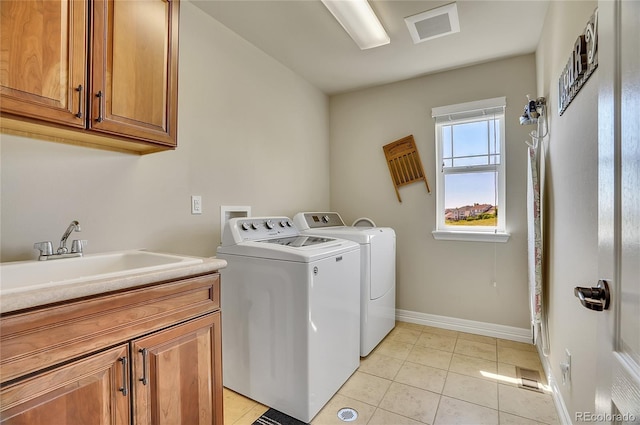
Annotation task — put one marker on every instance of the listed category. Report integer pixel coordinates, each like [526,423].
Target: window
[470,182]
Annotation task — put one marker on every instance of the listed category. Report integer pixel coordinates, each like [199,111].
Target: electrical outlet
[565,367]
[196,204]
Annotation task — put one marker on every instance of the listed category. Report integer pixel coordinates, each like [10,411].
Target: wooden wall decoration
[404,163]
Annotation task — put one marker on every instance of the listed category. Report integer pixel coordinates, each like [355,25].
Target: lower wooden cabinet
[167,376]
[170,375]
[88,391]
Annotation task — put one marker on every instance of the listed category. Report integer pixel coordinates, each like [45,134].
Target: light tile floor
[424,375]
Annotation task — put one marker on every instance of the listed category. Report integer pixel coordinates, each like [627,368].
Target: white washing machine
[290,314]
[377,271]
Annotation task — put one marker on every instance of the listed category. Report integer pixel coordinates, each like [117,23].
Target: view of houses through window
[472,215]
[470,199]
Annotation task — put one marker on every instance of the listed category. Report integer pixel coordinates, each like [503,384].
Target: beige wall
[251,132]
[571,205]
[445,278]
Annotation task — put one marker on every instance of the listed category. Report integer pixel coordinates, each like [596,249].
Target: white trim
[477,105]
[456,235]
[558,401]
[464,325]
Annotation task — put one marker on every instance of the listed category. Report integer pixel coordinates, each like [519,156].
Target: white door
[618,368]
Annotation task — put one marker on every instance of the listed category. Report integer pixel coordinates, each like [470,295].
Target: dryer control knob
[269,224]
[325,218]
[283,223]
[245,226]
[289,223]
[254,226]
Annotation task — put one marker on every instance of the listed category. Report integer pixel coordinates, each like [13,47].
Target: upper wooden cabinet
[119,91]
[134,69]
[43,60]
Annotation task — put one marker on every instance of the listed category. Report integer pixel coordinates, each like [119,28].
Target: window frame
[478,111]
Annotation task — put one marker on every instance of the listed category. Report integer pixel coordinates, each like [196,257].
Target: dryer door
[383,263]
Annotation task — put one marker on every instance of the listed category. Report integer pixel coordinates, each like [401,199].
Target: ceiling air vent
[433,23]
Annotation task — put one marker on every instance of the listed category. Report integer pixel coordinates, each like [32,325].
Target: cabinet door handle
[80,102]
[145,354]
[99,96]
[123,360]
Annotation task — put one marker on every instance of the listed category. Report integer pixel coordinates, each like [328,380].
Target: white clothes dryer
[290,314]
[377,271]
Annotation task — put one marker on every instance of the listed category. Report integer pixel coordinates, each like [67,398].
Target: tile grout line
[497,410]
[405,361]
[445,379]
[392,380]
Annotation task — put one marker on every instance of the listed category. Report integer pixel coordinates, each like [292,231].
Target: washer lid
[299,241]
[276,251]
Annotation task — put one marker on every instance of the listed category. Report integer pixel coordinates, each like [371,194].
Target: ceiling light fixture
[359,21]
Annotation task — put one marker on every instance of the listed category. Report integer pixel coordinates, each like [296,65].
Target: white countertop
[41,296]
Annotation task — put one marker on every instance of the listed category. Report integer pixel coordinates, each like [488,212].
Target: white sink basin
[23,276]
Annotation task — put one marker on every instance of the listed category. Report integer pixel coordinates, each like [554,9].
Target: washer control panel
[257,228]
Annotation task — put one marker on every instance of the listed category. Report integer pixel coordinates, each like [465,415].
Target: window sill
[452,235]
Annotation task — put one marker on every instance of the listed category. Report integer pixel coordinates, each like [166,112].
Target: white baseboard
[463,325]
[561,408]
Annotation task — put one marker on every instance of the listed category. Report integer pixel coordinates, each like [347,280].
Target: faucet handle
[45,248]
[77,245]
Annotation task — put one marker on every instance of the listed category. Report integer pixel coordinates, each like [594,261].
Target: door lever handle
[597,298]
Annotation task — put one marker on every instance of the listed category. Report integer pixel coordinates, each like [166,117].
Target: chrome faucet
[73,227]
[46,248]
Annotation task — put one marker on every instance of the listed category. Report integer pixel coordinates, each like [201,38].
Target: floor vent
[433,23]
[528,379]
[347,414]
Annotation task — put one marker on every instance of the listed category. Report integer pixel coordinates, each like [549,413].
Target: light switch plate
[196,204]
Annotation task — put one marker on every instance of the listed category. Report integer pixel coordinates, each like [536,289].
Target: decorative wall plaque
[582,62]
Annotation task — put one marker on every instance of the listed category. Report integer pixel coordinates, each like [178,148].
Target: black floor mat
[274,417]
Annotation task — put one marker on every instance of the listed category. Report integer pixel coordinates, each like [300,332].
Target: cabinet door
[177,375]
[43,60]
[134,75]
[93,390]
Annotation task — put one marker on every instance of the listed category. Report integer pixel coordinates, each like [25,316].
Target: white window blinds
[462,111]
